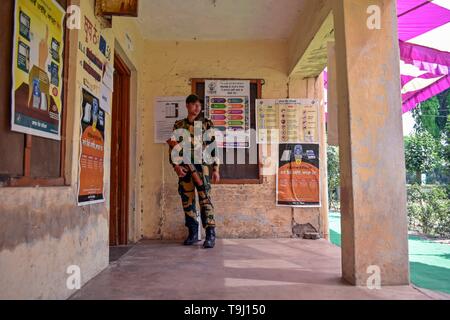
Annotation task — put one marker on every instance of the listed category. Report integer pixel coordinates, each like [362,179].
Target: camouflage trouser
[186,189]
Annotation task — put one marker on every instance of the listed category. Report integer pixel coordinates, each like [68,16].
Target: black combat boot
[193,236]
[210,240]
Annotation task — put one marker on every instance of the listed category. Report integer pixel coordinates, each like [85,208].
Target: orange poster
[298,175]
[92,151]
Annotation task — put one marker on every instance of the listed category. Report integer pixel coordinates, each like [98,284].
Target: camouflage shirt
[208,141]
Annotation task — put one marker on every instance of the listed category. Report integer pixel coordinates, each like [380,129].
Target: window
[239,173]
[25,160]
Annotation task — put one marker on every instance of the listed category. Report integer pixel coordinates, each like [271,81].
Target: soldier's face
[194,109]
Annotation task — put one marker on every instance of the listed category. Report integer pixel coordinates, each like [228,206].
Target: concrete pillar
[332,124]
[373,191]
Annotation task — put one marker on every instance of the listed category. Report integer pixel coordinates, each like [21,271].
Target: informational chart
[227,104]
[294,121]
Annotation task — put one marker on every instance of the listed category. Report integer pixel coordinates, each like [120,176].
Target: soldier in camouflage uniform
[198,176]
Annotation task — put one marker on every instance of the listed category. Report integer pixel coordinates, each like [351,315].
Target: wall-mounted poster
[298,175]
[227,104]
[37,68]
[95,60]
[167,111]
[92,155]
[297,120]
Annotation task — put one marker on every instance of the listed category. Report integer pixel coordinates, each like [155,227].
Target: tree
[425,116]
[421,153]
[444,111]
[334,180]
[432,115]
[446,151]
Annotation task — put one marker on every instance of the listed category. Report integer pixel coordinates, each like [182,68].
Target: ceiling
[218,19]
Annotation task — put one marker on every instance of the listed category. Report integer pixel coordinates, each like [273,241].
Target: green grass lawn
[429,260]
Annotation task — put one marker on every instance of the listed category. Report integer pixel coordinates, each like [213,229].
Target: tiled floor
[235,269]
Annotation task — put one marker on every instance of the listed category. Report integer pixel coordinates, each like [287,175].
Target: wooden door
[120,154]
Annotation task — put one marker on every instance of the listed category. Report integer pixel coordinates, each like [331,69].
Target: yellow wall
[167,73]
[241,210]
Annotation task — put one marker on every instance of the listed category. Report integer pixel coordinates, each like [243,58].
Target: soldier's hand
[181,171]
[216,177]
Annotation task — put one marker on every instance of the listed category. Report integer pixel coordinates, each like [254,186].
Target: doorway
[119,215]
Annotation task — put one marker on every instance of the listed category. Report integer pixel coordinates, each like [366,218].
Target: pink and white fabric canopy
[424,35]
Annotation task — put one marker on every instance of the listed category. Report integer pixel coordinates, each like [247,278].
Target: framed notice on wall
[37,68]
[227,104]
[298,175]
[92,155]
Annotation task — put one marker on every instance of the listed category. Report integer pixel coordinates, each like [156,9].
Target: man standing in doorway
[194,173]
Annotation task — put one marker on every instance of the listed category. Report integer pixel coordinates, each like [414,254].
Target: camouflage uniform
[187,185]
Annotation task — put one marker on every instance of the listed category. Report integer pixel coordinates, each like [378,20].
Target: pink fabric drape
[422,29]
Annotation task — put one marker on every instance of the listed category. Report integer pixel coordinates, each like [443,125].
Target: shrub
[429,210]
